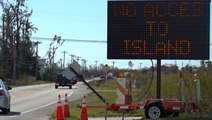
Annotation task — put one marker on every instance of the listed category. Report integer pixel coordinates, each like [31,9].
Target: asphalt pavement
[117,118]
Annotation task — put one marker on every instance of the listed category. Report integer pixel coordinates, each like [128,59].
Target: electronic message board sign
[158,29]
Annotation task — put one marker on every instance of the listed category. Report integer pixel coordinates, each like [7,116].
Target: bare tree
[17,48]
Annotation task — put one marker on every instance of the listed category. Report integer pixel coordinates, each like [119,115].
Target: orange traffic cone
[84,114]
[59,115]
[66,107]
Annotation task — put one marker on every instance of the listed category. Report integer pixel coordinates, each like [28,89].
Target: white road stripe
[27,111]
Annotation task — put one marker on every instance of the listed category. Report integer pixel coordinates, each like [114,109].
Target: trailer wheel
[154,111]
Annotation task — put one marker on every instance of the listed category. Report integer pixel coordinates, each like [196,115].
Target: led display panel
[158,29]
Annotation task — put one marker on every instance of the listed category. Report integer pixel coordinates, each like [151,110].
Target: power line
[76,40]
[66,14]
[71,40]
[71,19]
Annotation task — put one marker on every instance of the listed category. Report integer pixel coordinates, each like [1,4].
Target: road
[38,102]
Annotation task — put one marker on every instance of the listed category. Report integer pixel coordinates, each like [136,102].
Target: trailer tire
[154,111]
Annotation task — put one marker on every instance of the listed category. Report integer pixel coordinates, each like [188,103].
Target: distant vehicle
[61,80]
[110,75]
[102,77]
[4,97]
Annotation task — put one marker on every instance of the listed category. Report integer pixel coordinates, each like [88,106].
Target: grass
[169,89]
